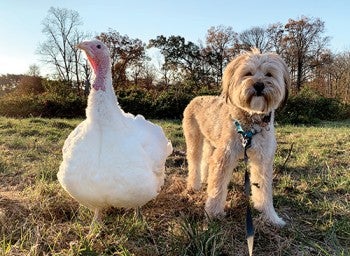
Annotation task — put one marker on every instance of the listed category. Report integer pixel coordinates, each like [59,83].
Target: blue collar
[246,135]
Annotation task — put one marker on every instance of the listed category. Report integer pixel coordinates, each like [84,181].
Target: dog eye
[98,46]
[269,74]
[248,74]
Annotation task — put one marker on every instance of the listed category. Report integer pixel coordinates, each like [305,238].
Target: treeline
[36,96]
[162,86]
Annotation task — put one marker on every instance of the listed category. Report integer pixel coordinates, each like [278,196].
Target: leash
[247,143]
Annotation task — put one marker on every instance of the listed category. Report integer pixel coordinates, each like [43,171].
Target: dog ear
[228,76]
[287,82]
[284,101]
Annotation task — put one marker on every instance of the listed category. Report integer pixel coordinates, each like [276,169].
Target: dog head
[256,82]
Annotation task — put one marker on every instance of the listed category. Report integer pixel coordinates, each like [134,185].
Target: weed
[201,238]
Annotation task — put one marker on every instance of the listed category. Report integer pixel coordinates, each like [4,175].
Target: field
[311,192]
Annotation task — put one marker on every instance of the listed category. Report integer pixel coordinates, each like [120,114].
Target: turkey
[112,158]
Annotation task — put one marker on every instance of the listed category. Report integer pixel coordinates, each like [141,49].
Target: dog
[254,85]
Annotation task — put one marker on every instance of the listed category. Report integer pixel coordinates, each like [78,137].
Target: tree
[256,37]
[302,43]
[183,58]
[9,82]
[143,73]
[61,29]
[221,46]
[275,33]
[125,52]
[339,75]
[34,70]
[29,85]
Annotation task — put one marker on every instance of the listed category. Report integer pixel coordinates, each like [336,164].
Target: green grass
[312,192]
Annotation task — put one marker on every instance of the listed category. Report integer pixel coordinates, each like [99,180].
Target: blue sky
[20,21]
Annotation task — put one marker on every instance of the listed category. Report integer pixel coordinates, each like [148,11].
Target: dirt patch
[13,208]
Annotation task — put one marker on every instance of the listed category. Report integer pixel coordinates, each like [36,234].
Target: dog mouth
[261,95]
[259,104]
[259,89]
[259,100]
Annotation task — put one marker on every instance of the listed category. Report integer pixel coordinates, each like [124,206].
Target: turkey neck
[102,105]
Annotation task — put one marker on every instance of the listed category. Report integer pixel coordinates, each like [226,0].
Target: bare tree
[256,37]
[303,42]
[339,73]
[220,47]
[124,51]
[61,27]
[34,70]
[275,33]
[143,73]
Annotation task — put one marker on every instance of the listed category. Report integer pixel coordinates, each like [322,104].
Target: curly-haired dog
[254,85]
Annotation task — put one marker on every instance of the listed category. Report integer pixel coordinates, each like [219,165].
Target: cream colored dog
[254,85]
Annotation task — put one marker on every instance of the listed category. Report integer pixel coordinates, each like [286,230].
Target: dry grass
[311,192]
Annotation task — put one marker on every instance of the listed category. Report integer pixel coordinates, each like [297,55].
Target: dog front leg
[206,155]
[261,174]
[194,157]
[219,174]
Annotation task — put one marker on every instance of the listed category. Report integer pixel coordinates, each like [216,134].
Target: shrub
[136,100]
[309,107]
[54,105]
[151,103]
[43,105]
[13,105]
[171,104]
[61,100]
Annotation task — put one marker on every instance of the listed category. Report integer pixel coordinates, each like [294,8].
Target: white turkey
[112,158]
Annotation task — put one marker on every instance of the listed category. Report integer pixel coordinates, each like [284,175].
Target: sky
[21,21]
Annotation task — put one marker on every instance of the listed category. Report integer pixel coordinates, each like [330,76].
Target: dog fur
[254,85]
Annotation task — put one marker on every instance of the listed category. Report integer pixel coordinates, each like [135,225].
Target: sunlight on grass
[37,217]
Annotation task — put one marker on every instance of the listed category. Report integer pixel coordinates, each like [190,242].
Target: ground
[311,192]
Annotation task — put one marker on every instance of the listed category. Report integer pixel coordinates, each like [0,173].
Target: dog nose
[259,87]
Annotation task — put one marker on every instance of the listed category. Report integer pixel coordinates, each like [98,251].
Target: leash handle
[250,230]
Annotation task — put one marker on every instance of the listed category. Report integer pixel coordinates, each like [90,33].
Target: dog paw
[191,188]
[276,221]
[269,214]
[280,223]
[213,214]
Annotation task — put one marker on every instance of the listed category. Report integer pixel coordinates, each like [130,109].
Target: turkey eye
[248,74]
[98,46]
[269,74]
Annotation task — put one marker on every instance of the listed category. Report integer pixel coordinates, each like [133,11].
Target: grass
[312,184]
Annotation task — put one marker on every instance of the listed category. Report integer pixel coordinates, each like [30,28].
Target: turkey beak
[85,46]
[82,46]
